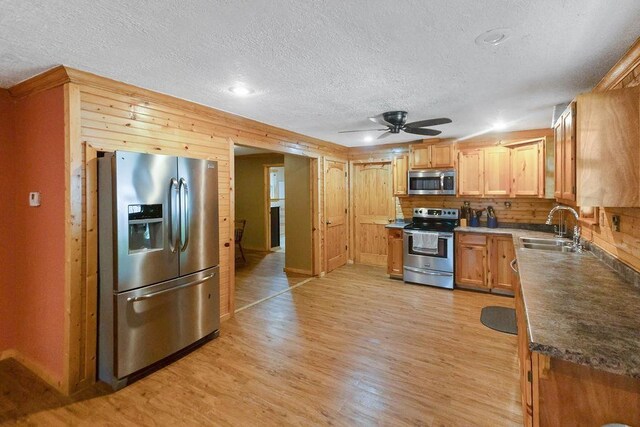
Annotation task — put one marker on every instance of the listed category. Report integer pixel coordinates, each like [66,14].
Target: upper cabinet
[513,170]
[607,148]
[565,149]
[497,171]
[471,172]
[431,156]
[400,169]
[527,166]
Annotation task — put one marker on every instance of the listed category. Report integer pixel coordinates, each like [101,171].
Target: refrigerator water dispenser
[145,228]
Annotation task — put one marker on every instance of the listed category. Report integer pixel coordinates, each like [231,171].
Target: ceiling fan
[395,121]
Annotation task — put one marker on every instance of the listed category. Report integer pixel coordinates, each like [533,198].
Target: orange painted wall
[38,236]
[7,297]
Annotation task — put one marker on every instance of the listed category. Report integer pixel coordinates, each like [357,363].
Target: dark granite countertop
[578,309]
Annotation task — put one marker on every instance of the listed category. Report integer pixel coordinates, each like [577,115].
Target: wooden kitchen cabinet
[471,172]
[483,261]
[501,253]
[442,156]
[527,170]
[394,253]
[513,170]
[471,260]
[565,150]
[431,156]
[497,171]
[400,170]
[555,392]
[607,148]
[524,360]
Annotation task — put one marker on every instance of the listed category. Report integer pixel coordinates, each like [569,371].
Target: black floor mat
[501,319]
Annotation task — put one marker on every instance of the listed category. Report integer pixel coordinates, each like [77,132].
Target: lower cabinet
[394,253]
[560,393]
[483,261]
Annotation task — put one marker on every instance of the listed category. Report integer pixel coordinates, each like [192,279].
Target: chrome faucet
[576,229]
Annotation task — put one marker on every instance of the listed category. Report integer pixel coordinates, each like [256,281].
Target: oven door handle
[431,273]
[440,235]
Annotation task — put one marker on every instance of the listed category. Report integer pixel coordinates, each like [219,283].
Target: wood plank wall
[624,244]
[522,210]
[106,115]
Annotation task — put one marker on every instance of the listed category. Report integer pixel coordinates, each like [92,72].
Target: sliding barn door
[335,213]
[373,207]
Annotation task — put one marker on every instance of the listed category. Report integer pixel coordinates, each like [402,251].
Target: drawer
[395,233]
[472,239]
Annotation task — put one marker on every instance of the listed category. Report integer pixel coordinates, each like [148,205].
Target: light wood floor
[262,276]
[352,348]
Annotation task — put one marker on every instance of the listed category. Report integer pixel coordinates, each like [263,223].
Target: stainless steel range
[428,247]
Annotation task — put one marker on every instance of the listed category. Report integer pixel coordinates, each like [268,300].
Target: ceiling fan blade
[384,135]
[379,120]
[419,131]
[430,122]
[362,130]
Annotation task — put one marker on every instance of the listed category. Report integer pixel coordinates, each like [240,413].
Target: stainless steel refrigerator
[158,259]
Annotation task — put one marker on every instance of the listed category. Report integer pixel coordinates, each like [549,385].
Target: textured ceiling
[322,66]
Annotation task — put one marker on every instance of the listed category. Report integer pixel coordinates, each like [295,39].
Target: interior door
[335,214]
[145,193]
[373,209]
[198,188]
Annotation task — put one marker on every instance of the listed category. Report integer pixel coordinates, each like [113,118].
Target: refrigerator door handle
[184,214]
[166,291]
[173,235]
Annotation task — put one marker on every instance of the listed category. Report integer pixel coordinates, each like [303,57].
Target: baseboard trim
[298,271]
[36,368]
[225,317]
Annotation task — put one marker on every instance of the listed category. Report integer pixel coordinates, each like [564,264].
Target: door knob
[328,222]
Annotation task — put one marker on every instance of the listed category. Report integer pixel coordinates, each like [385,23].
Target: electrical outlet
[615,222]
[34,198]
[602,217]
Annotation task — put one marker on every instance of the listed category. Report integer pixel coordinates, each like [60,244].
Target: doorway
[273,205]
[275,211]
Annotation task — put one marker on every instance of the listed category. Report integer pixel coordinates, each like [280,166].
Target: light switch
[34,198]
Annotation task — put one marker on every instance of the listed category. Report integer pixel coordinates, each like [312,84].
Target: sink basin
[552,244]
[541,241]
[560,247]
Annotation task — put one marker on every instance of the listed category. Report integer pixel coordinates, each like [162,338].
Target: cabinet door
[442,156]
[559,147]
[569,155]
[400,168]
[525,170]
[394,254]
[501,253]
[470,173]
[420,156]
[497,171]
[524,359]
[471,263]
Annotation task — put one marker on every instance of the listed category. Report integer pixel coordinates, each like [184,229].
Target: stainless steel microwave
[432,182]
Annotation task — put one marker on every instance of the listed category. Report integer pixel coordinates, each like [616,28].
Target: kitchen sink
[556,245]
[542,241]
[543,247]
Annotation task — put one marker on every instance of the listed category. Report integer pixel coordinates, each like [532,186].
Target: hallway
[262,276]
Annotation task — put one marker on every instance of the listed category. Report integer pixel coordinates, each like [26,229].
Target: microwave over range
[432,182]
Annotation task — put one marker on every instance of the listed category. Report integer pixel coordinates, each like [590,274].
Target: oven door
[441,260]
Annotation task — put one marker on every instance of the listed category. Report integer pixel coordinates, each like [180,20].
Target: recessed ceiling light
[499,125]
[368,138]
[240,90]
[493,37]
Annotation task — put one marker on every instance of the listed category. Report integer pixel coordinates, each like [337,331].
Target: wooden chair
[239,231]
